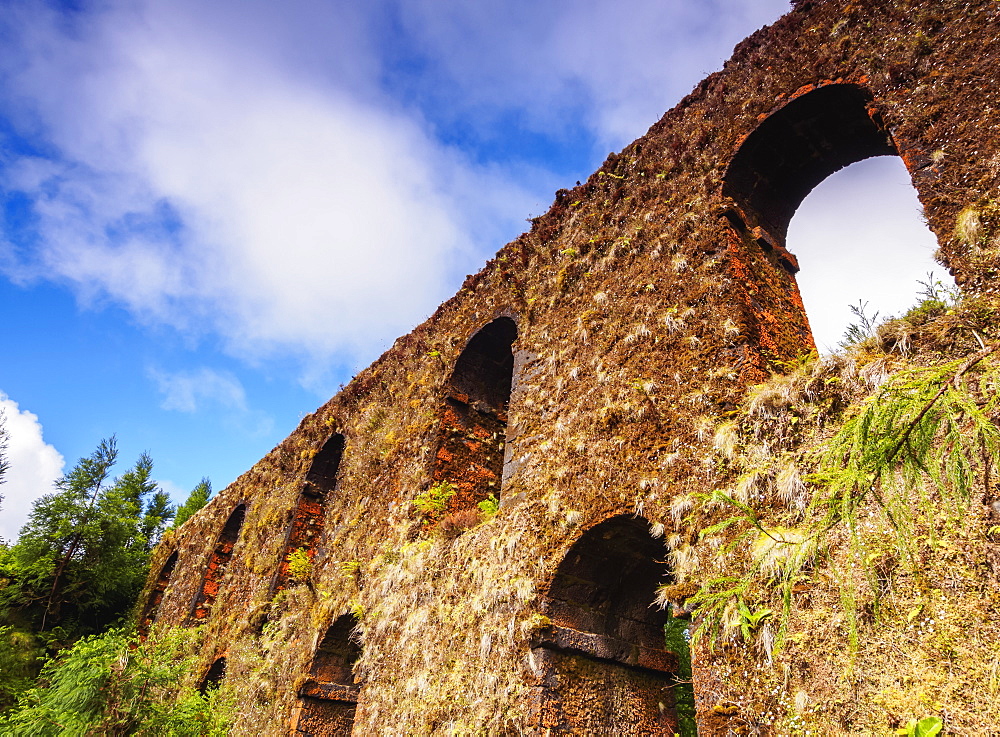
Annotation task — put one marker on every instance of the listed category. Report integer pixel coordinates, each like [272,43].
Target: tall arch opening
[603,661]
[812,137]
[473,429]
[797,147]
[156,595]
[217,564]
[328,699]
[309,514]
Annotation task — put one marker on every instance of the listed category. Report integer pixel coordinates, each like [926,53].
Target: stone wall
[644,302]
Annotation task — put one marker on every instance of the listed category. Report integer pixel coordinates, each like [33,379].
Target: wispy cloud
[34,467]
[191,391]
[208,390]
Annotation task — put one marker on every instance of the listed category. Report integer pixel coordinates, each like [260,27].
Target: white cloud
[205,389]
[189,391]
[615,68]
[239,169]
[203,185]
[34,467]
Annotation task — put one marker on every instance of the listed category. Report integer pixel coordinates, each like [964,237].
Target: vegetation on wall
[858,511]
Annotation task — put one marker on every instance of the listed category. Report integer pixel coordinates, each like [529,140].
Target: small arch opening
[322,476]
[309,515]
[218,563]
[213,678]
[328,699]
[604,655]
[156,595]
[473,427]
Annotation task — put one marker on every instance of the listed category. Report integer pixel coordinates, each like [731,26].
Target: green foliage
[750,620]
[115,684]
[926,727]
[300,565]
[489,506]
[916,451]
[197,499]
[21,655]
[677,636]
[434,501]
[930,423]
[83,555]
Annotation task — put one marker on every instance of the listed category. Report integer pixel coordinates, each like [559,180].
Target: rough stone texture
[645,301]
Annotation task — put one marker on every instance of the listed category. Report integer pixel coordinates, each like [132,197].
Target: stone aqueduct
[567,379]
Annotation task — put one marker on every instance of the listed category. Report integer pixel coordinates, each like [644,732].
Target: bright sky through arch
[860,235]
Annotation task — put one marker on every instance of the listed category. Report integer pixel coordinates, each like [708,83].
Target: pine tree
[83,555]
[197,499]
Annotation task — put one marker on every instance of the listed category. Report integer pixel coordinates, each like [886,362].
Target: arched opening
[309,514]
[812,137]
[797,147]
[473,429]
[322,476]
[213,678]
[156,595]
[603,660]
[329,698]
[217,564]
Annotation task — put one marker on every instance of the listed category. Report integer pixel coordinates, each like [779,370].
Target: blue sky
[213,214]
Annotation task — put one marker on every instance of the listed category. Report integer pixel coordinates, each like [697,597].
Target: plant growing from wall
[433,502]
[300,565]
[914,450]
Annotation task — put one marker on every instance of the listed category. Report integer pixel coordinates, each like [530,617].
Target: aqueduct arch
[799,145]
[602,660]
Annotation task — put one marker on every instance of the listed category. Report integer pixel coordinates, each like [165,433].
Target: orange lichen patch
[471,454]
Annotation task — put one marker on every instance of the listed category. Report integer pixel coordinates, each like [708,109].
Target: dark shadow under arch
[473,426]
[603,659]
[217,564]
[213,678]
[309,514]
[328,699]
[156,595]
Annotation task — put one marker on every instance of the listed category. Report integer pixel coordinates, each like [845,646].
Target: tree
[82,557]
[117,683]
[4,437]
[197,499]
